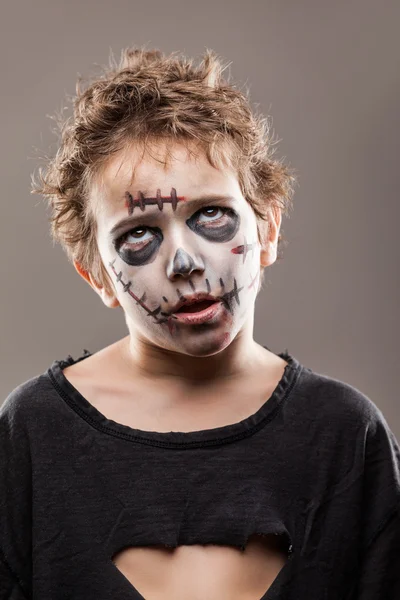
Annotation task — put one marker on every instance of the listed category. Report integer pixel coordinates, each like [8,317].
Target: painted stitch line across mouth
[196,306]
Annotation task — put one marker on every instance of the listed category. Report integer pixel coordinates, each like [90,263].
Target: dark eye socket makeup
[144,250]
[153,216]
[212,222]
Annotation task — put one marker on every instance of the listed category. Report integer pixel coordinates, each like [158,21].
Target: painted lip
[192,299]
[199,317]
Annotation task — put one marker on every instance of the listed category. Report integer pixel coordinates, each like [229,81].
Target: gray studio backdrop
[327,72]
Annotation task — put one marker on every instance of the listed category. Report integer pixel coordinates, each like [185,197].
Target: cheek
[240,271]
[132,289]
[241,258]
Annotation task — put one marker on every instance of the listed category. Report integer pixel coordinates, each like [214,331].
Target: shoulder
[24,400]
[336,400]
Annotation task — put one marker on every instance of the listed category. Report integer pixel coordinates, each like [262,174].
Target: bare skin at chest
[197,572]
[187,572]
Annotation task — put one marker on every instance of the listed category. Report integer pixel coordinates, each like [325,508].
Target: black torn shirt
[316,464]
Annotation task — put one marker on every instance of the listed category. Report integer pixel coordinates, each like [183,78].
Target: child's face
[158,245]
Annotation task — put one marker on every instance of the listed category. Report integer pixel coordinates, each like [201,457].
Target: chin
[206,346]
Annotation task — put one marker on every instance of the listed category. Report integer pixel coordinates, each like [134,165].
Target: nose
[184,264]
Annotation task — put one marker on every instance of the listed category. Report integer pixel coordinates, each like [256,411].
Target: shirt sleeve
[379,572]
[15,498]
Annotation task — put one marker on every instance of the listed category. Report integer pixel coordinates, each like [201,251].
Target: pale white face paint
[159,242]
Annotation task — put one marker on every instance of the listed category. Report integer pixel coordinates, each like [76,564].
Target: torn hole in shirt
[223,572]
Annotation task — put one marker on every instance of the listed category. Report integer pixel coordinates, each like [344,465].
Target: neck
[241,357]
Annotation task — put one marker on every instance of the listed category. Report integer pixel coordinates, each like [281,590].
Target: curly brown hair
[145,98]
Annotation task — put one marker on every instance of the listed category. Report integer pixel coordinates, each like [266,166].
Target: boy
[186,461]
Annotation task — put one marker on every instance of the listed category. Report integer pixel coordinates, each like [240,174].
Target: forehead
[160,167]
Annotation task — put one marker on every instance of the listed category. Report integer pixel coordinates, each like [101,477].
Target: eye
[136,234]
[213,209]
[141,236]
[134,237]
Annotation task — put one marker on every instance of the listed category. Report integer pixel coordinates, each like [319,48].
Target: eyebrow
[123,223]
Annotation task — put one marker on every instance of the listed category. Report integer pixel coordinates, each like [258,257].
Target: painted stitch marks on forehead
[142,200]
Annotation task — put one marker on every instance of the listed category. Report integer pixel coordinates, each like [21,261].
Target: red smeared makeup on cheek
[244,249]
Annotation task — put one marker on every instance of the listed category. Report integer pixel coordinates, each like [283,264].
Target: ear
[109,300]
[269,250]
